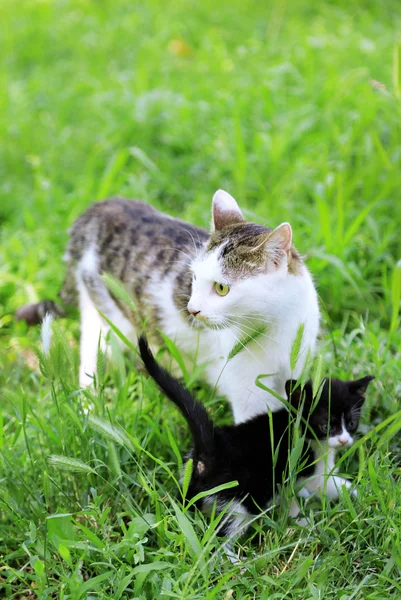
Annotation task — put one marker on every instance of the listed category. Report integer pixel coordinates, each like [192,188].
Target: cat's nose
[193,312]
[343,441]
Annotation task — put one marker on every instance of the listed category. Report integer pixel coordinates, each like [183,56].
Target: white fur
[239,518]
[94,296]
[237,515]
[46,333]
[91,329]
[324,479]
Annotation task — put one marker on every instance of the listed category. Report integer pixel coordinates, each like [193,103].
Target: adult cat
[207,292]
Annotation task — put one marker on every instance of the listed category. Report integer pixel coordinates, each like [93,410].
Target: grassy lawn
[294,108]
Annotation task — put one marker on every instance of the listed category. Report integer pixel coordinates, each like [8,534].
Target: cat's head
[240,273]
[334,416]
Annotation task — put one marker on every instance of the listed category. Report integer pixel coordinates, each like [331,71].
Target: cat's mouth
[337,444]
[202,322]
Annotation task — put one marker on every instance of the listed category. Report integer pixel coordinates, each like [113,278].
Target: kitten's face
[237,275]
[335,418]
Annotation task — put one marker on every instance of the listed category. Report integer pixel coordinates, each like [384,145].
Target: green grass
[168,101]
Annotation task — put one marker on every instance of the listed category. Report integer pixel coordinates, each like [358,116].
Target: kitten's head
[240,272]
[335,415]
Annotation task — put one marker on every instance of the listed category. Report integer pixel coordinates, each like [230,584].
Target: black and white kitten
[334,422]
[245,452]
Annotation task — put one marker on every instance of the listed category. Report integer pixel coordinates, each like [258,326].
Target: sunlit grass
[294,108]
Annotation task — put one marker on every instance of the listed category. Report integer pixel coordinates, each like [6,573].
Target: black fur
[244,452]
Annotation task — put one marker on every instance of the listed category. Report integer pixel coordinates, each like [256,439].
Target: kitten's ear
[225,210]
[358,388]
[296,393]
[280,239]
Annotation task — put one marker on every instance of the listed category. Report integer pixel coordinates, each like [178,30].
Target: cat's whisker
[251,322]
[252,314]
[179,262]
[245,347]
[251,330]
[245,335]
[251,317]
[188,321]
[243,329]
[190,258]
[197,247]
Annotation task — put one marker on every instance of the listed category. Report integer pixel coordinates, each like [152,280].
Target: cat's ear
[296,393]
[276,244]
[358,388]
[280,239]
[225,211]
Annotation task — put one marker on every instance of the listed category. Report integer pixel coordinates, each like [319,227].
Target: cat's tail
[200,424]
[34,314]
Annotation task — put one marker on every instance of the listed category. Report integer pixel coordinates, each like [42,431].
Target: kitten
[245,452]
[206,292]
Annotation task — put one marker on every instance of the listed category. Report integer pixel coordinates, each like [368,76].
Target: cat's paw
[294,509]
[304,493]
[230,554]
[303,522]
[335,485]
[352,490]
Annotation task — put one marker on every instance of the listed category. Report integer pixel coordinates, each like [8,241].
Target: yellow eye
[221,288]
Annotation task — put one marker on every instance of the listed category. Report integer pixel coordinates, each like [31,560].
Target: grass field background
[295,109]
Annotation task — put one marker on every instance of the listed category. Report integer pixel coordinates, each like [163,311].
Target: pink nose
[193,312]
[343,442]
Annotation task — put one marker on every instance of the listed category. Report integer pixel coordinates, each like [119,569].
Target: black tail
[200,424]
[34,314]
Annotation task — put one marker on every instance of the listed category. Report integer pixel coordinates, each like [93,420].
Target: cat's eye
[324,428]
[222,289]
[352,424]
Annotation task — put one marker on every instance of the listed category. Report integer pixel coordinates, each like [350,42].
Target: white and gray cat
[257,453]
[205,291]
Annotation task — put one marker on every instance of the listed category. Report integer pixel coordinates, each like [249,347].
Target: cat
[206,291]
[244,452]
